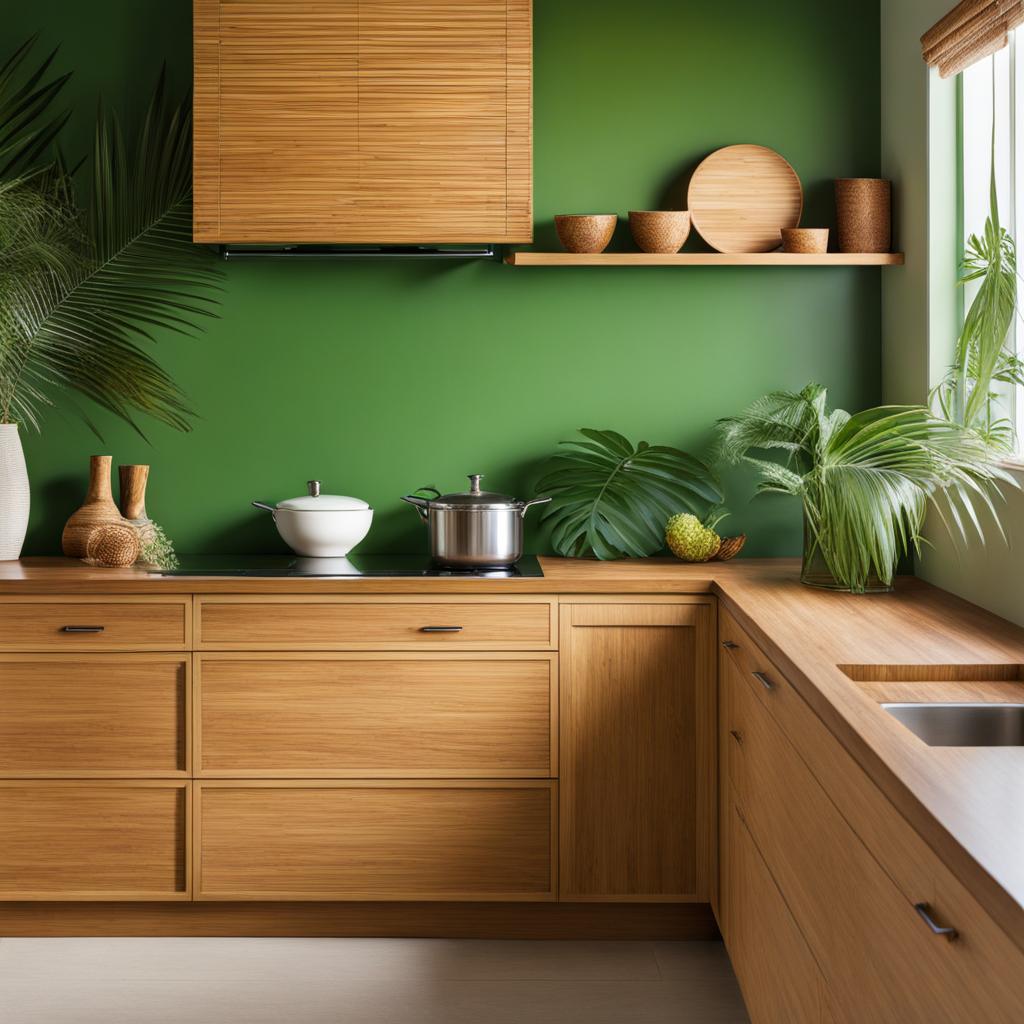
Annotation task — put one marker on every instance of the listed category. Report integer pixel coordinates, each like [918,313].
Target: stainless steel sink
[963,725]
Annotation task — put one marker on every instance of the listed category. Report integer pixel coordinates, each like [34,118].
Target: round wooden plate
[741,197]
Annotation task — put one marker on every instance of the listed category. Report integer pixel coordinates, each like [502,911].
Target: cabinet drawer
[376,715]
[94,840]
[93,714]
[375,841]
[340,623]
[776,970]
[142,623]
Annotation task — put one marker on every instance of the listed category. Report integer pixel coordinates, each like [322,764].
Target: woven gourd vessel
[114,547]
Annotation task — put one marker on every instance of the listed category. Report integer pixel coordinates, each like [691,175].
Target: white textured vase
[13,493]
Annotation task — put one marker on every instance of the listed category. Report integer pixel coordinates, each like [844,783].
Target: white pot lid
[314,501]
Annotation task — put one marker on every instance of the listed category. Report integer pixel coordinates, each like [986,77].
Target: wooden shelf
[704,259]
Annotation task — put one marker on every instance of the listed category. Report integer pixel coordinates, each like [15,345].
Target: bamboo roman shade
[974,29]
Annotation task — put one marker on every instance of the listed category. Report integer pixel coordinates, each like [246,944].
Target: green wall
[380,378]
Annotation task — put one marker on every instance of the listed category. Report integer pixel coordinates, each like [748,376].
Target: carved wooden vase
[99,510]
[133,481]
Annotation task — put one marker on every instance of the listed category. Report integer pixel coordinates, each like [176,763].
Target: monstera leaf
[612,499]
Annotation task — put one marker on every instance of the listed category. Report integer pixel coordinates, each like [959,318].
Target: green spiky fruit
[689,539]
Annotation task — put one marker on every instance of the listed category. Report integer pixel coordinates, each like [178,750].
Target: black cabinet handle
[440,629]
[730,646]
[81,629]
[936,929]
[763,680]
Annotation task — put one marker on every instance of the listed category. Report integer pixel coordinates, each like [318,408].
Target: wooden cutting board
[741,197]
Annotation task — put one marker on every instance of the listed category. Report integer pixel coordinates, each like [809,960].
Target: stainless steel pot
[473,527]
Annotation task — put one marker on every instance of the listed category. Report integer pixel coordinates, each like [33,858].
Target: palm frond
[28,127]
[982,358]
[142,276]
[612,499]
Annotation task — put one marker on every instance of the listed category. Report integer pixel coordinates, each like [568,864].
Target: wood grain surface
[741,197]
[703,259]
[377,716]
[954,799]
[775,967]
[298,623]
[387,121]
[636,698]
[73,840]
[851,870]
[373,840]
[68,715]
[143,623]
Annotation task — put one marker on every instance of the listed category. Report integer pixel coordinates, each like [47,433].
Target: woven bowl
[659,230]
[729,548]
[585,232]
[805,240]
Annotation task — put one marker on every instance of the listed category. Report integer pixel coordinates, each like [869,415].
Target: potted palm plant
[865,480]
[82,294]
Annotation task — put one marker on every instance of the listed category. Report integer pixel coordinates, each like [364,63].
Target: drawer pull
[81,629]
[440,629]
[730,646]
[763,680]
[936,929]
[737,736]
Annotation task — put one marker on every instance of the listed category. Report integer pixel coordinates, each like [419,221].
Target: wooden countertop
[561,576]
[967,802]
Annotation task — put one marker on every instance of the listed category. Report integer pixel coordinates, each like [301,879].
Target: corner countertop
[966,802]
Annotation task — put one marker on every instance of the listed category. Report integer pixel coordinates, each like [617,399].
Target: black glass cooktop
[354,565]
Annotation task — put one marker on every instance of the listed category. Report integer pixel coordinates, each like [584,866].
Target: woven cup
[805,240]
[659,230]
[864,214]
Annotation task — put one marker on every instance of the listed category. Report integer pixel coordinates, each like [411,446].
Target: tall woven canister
[864,214]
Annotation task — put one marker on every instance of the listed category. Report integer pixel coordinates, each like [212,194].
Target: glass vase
[816,572]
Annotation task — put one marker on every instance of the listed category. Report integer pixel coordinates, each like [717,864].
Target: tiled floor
[364,981]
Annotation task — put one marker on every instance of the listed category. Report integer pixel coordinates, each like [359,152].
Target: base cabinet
[879,959]
[636,749]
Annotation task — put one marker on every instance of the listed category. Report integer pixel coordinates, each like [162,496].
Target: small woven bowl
[805,240]
[659,230]
[585,232]
[729,548]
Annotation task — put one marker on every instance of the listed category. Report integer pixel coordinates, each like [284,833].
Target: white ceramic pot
[14,493]
[321,525]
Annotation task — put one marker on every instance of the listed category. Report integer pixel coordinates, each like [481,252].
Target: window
[997,81]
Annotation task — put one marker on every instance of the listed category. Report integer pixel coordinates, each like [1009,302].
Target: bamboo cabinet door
[348,121]
[637,722]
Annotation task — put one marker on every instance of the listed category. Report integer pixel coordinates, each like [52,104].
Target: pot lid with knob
[314,501]
[474,499]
